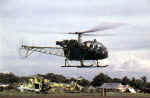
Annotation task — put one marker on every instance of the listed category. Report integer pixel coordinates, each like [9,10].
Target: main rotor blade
[102,27]
[100,34]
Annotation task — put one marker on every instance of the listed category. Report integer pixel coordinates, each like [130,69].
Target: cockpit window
[100,45]
[92,44]
[88,44]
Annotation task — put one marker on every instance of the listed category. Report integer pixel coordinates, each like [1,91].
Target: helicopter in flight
[75,49]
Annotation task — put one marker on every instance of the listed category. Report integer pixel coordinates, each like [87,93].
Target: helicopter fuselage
[88,50]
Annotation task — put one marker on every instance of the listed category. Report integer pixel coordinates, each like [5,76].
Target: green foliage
[117,80]
[100,79]
[24,78]
[84,82]
[55,78]
[125,80]
[8,78]
[97,80]
[139,84]
[144,78]
[147,85]
[135,83]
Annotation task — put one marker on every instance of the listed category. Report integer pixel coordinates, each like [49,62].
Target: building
[113,87]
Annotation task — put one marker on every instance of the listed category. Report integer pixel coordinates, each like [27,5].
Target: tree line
[98,80]
[133,82]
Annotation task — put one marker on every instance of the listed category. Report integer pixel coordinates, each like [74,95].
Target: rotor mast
[79,37]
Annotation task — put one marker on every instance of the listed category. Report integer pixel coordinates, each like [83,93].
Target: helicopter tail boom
[28,50]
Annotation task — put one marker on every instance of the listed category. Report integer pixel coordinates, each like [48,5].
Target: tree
[139,84]
[55,78]
[133,82]
[100,79]
[125,80]
[144,78]
[83,82]
[147,85]
[117,80]
[8,78]
[24,78]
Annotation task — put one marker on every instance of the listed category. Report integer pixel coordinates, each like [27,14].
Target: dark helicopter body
[76,49]
[88,50]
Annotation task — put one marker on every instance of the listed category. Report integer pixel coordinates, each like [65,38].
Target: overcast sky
[42,22]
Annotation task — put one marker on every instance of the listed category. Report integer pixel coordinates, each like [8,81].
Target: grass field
[27,93]
[17,93]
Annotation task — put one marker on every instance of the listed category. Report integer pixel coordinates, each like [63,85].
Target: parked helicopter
[75,50]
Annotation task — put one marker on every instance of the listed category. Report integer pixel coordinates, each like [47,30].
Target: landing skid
[84,66]
[87,66]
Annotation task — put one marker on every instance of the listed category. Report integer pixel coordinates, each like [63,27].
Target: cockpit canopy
[94,44]
[90,44]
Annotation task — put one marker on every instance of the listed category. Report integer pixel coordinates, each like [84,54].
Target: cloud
[129,60]
[36,23]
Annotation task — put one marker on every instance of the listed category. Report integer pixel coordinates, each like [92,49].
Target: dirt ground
[69,97]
